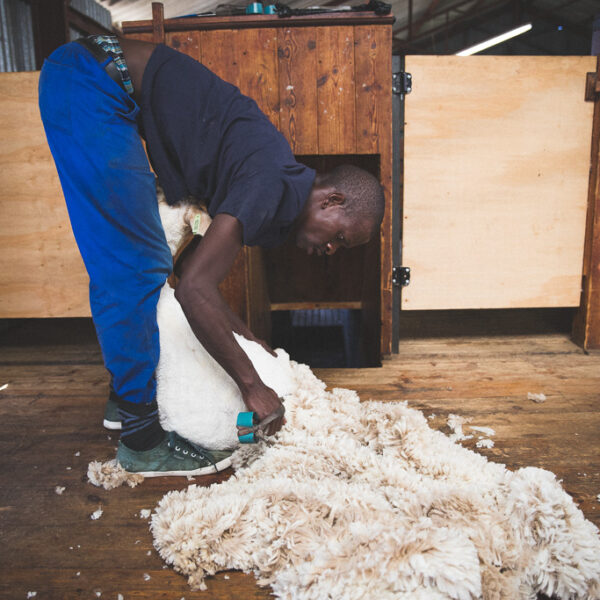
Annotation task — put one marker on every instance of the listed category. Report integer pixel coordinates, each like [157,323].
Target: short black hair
[364,195]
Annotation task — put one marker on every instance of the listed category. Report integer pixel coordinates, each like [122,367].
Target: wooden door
[496,167]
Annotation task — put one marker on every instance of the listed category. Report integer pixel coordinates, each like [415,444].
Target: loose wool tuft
[111,474]
[356,500]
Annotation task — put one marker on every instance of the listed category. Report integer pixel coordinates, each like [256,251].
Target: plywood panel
[298,88]
[335,90]
[497,155]
[40,267]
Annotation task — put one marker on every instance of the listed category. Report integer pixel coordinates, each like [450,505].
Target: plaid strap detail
[110,45]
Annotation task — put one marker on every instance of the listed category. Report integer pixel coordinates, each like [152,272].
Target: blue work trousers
[90,123]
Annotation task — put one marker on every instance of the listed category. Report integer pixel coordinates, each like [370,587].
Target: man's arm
[211,319]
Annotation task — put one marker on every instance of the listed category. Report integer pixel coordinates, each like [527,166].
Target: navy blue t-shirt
[206,139]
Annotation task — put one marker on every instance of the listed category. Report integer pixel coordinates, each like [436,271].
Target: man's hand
[263,401]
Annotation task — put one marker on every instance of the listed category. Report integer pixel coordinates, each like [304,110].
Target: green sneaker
[174,456]
[112,419]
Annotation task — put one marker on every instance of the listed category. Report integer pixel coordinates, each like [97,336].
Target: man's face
[325,227]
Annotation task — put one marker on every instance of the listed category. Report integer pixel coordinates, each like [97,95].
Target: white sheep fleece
[196,397]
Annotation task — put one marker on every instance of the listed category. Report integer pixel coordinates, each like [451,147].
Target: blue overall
[90,123]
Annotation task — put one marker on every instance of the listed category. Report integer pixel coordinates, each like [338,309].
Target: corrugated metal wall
[94,11]
[17,51]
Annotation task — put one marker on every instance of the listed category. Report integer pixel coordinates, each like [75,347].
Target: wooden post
[586,325]
[158,23]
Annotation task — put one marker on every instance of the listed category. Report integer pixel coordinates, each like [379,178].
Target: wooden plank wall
[298,110]
[328,90]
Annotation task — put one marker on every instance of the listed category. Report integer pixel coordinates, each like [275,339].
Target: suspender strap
[103,57]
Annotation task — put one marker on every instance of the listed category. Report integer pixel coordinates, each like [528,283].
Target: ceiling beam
[425,17]
[436,13]
[465,19]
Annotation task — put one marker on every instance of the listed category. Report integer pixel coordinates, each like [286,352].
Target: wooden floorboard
[51,415]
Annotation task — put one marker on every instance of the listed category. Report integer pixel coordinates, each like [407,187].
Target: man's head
[345,209]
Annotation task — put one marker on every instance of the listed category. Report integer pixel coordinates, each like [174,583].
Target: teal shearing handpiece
[250,429]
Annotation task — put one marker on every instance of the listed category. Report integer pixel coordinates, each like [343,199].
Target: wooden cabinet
[325,82]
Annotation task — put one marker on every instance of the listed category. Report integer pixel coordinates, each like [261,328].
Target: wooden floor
[51,415]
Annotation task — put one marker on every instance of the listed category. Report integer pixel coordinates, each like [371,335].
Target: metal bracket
[401,276]
[401,83]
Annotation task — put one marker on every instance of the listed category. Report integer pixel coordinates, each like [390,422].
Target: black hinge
[401,276]
[401,83]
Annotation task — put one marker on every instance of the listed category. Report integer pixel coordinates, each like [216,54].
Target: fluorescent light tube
[495,40]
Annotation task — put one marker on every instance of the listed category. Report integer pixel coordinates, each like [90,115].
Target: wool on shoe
[111,474]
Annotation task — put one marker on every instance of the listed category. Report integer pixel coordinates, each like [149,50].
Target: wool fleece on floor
[363,500]
[355,500]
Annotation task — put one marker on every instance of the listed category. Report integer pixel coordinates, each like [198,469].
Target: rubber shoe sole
[209,470]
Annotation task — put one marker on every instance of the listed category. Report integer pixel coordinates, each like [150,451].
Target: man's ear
[333,199]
